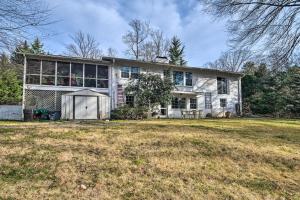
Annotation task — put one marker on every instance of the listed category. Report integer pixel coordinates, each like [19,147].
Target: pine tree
[176,52]
[37,47]
[10,87]
[16,57]
[294,84]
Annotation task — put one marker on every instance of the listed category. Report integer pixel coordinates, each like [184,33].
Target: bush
[208,115]
[126,112]
[227,114]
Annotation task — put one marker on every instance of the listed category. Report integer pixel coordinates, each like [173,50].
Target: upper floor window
[178,78]
[130,72]
[63,73]
[125,71]
[135,72]
[89,75]
[33,72]
[102,76]
[188,79]
[77,74]
[48,72]
[222,85]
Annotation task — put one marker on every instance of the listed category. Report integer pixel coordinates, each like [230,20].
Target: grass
[155,159]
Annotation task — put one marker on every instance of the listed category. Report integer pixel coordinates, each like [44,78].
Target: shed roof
[86,92]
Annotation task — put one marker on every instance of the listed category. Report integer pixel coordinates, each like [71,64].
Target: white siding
[202,82]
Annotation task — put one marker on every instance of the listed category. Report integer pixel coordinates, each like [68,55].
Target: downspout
[24,83]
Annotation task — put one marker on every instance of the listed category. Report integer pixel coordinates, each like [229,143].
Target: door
[85,107]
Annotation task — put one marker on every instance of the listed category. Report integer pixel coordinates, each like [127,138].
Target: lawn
[156,159]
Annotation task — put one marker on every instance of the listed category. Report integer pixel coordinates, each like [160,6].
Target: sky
[107,21]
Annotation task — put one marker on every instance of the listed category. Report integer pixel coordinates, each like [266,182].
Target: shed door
[85,107]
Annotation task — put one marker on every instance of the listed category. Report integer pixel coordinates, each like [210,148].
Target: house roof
[112,60]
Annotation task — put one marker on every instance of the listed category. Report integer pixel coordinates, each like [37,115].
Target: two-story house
[74,86]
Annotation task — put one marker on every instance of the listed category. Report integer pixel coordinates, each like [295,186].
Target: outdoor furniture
[191,114]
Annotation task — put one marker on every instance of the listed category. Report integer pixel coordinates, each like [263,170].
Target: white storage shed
[85,104]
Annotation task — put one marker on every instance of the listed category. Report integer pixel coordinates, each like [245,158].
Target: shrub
[126,112]
[227,114]
[208,115]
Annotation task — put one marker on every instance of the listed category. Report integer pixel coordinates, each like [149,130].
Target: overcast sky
[107,21]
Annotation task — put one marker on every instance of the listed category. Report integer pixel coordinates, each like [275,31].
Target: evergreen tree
[16,57]
[294,84]
[10,87]
[37,47]
[176,52]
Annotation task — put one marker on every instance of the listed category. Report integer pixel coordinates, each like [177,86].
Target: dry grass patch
[158,159]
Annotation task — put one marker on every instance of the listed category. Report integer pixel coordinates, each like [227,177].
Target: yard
[156,159]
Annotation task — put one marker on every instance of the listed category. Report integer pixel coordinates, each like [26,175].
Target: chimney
[161,59]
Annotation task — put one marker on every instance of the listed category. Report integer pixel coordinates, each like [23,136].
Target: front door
[85,107]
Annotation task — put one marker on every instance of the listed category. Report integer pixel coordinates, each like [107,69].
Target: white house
[73,86]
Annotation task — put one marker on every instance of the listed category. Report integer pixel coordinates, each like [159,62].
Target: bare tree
[84,45]
[157,45]
[231,60]
[135,37]
[111,52]
[148,51]
[269,23]
[18,17]
[161,44]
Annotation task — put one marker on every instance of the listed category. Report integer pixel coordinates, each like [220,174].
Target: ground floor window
[193,103]
[163,109]
[208,104]
[129,101]
[223,103]
[178,103]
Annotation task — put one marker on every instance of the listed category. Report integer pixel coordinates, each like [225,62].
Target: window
[77,74]
[222,85]
[188,78]
[125,72]
[48,72]
[89,75]
[163,109]
[182,103]
[130,101]
[33,72]
[102,76]
[63,73]
[130,72]
[178,78]
[223,103]
[178,103]
[135,71]
[193,103]
[208,104]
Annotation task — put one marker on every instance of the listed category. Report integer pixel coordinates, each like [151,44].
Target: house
[75,86]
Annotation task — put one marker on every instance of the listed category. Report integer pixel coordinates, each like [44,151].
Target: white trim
[55,82]
[41,68]
[24,83]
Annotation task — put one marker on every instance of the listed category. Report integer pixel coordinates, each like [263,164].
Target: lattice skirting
[46,99]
